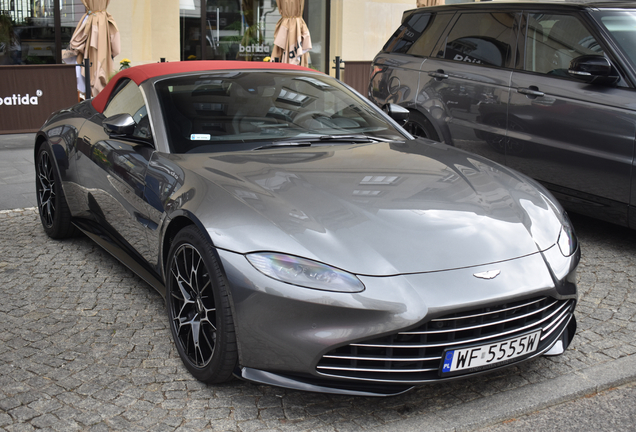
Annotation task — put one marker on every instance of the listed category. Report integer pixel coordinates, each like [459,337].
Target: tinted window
[424,45]
[622,26]
[418,34]
[129,100]
[481,38]
[553,41]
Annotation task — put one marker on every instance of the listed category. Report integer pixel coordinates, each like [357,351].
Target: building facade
[150,30]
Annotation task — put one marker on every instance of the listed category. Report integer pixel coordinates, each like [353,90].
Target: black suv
[546,88]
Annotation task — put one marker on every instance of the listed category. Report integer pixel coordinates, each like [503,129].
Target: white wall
[360,28]
[149,30]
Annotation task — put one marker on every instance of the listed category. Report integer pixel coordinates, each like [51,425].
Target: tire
[199,308]
[419,126]
[54,212]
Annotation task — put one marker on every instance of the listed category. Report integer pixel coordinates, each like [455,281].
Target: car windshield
[621,24]
[242,110]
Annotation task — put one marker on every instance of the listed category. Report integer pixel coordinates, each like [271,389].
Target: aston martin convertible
[301,237]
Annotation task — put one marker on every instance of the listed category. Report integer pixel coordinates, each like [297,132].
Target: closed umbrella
[291,37]
[423,3]
[97,38]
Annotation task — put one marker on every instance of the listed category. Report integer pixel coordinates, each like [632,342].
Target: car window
[425,44]
[622,27]
[481,38]
[129,100]
[554,40]
[235,110]
[418,34]
[410,30]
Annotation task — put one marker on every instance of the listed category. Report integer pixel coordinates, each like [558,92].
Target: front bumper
[283,331]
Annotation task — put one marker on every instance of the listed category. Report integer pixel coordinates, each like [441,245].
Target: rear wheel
[420,127]
[54,212]
[199,309]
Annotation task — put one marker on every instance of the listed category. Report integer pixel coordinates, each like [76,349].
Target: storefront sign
[29,94]
[254,49]
[253,52]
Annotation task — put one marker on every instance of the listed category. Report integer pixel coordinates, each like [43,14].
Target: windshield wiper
[284,144]
[305,142]
[348,138]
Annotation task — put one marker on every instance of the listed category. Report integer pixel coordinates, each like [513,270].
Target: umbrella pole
[87,79]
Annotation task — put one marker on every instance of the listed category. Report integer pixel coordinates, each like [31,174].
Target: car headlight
[305,273]
[567,238]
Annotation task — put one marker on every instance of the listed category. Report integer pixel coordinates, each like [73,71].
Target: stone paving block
[83,339]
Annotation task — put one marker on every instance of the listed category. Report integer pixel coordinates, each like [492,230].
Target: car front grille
[415,355]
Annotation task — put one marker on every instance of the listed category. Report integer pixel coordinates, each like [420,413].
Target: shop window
[244,29]
[30,30]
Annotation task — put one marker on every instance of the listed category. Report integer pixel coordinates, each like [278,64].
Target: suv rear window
[418,34]
[481,38]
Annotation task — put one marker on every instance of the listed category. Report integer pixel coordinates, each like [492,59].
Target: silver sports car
[300,237]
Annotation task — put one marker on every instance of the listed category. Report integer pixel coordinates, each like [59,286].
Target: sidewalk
[17,172]
[104,357]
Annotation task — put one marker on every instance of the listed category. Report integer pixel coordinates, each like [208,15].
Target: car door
[577,138]
[396,70]
[113,169]
[467,80]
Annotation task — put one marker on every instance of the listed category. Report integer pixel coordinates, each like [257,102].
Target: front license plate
[473,359]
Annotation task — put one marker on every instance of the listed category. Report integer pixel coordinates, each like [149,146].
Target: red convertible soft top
[141,73]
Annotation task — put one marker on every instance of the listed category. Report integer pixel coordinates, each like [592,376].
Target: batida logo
[19,99]
[254,49]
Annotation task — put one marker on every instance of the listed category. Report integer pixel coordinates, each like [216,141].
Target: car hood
[376,209]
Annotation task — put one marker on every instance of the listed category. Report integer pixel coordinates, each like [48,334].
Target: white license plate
[483,357]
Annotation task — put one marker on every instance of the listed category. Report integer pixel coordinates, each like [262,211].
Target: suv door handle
[532,92]
[438,74]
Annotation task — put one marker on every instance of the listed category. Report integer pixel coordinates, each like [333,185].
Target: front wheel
[419,126]
[199,309]
[54,212]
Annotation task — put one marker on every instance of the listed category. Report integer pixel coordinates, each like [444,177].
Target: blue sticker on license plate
[481,357]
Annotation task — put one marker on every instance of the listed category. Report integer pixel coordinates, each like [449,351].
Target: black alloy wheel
[199,309]
[54,212]
[418,126]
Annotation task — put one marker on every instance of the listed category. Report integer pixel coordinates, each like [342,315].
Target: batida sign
[254,51]
[30,93]
[19,99]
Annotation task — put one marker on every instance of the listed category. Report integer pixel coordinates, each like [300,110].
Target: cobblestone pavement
[85,345]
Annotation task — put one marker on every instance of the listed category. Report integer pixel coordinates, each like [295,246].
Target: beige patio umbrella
[97,38]
[291,37]
[423,3]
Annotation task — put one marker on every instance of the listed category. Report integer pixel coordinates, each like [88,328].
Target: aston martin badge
[490,274]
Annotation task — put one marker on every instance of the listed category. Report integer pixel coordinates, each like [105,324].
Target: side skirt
[118,250]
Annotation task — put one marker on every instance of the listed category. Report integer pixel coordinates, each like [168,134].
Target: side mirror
[119,124]
[593,69]
[397,113]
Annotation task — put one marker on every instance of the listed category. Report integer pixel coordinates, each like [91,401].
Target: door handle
[532,92]
[86,139]
[438,75]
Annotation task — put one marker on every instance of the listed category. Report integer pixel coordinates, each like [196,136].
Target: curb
[488,411]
